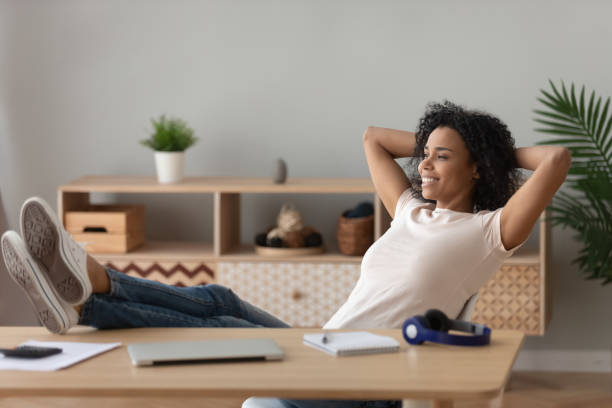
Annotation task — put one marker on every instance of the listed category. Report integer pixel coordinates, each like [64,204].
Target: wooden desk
[430,371]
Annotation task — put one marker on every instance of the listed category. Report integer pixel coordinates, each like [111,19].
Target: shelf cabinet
[306,290]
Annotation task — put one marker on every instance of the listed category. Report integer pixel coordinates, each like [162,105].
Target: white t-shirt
[428,259]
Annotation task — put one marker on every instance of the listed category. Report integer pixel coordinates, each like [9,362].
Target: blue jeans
[134,302]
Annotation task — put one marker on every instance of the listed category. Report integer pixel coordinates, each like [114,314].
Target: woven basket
[355,235]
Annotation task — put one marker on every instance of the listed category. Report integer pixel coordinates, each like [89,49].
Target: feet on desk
[65,260]
[56,315]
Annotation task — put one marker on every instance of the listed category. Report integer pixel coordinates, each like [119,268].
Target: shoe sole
[44,240]
[27,275]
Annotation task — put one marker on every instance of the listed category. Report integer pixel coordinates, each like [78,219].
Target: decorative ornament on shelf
[584,128]
[280,176]
[170,138]
[289,236]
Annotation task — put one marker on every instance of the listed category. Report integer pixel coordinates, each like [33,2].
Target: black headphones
[434,327]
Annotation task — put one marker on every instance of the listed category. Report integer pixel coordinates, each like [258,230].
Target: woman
[444,243]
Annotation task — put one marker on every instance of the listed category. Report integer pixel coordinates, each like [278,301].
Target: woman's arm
[381,146]
[550,165]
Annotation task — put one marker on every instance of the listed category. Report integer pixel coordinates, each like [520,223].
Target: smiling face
[448,172]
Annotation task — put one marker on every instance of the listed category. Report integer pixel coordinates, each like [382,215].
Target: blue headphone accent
[434,327]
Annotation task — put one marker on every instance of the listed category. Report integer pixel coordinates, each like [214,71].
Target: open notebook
[351,343]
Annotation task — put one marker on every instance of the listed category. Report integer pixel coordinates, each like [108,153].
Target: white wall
[79,81]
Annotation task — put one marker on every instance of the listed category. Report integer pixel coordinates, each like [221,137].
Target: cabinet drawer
[300,294]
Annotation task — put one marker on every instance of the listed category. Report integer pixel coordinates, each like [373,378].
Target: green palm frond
[583,124]
[593,223]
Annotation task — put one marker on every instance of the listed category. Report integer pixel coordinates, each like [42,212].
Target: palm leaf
[584,129]
[591,124]
[553,115]
[559,125]
[582,102]
[590,114]
[602,121]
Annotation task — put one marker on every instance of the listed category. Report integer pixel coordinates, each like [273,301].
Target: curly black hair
[490,144]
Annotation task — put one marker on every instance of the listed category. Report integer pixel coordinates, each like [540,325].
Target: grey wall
[79,81]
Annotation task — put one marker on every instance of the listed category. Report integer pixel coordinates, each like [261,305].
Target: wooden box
[107,228]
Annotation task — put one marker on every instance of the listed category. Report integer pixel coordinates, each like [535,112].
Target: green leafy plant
[170,135]
[584,128]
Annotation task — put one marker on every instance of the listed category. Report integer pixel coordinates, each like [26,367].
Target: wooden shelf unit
[226,190]
[519,293]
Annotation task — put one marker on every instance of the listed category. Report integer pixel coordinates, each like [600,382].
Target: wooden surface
[425,372]
[545,272]
[226,222]
[527,389]
[165,251]
[288,252]
[382,219]
[191,250]
[149,184]
[185,251]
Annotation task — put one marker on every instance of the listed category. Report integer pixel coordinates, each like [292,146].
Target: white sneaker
[56,315]
[65,261]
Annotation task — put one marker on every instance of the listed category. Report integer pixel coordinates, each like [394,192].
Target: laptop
[181,352]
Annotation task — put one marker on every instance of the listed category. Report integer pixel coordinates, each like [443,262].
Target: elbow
[368,134]
[563,158]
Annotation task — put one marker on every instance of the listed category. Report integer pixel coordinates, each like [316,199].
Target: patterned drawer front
[511,300]
[300,294]
[171,273]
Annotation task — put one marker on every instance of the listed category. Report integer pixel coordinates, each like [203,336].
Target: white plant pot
[170,166]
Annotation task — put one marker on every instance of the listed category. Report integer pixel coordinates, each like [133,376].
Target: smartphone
[30,351]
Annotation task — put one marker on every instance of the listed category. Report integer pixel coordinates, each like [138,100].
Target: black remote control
[30,351]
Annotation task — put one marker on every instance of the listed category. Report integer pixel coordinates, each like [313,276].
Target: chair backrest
[466,313]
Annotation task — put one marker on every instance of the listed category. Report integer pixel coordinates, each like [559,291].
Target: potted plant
[170,138]
[584,128]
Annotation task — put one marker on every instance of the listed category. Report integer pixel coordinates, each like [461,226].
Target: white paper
[351,343]
[72,353]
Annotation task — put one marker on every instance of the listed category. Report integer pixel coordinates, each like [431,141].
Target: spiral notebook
[351,343]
